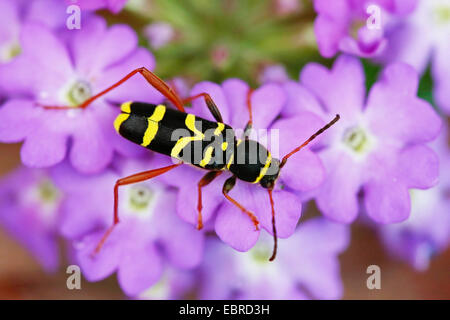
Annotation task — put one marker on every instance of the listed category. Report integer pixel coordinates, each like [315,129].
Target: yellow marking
[219,129]
[183,142]
[230,162]
[119,120]
[207,158]
[224,146]
[152,127]
[126,107]
[264,170]
[210,149]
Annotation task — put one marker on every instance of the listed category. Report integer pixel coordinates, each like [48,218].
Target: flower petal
[104,263]
[183,244]
[395,113]
[387,200]
[135,89]
[17,120]
[303,172]
[287,207]
[300,99]
[44,148]
[236,92]
[337,196]
[136,275]
[342,89]
[232,225]
[419,167]
[95,47]
[267,102]
[91,152]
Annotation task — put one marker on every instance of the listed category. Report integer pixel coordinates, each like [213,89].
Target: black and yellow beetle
[153,127]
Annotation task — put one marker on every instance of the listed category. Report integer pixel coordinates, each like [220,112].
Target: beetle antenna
[274,229]
[304,144]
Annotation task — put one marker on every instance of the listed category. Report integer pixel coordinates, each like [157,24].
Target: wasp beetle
[152,126]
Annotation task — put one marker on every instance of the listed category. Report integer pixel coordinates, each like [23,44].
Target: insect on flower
[154,126]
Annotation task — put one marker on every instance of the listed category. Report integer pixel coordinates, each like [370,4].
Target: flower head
[378,146]
[306,267]
[65,72]
[148,236]
[338,20]
[29,211]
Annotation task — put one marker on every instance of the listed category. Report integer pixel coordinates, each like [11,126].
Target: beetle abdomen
[180,135]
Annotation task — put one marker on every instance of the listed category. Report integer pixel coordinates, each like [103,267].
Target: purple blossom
[159,34]
[15,13]
[65,71]
[112,5]
[337,20]
[148,237]
[427,232]
[304,170]
[378,146]
[29,211]
[307,266]
[421,37]
[274,73]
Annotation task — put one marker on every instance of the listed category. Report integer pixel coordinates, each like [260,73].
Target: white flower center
[46,197]
[79,92]
[74,93]
[442,14]
[141,201]
[358,141]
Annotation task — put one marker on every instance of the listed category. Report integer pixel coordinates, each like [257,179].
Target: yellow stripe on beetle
[264,170]
[121,118]
[126,107]
[230,162]
[152,127]
[183,142]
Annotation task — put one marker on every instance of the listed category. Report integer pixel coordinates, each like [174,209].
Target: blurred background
[215,40]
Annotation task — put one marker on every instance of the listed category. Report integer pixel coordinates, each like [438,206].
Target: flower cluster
[387,157]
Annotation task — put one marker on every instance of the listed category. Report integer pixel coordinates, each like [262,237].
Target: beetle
[153,127]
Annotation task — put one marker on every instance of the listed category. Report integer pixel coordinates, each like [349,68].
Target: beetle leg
[135,178]
[209,103]
[248,127]
[228,185]
[207,179]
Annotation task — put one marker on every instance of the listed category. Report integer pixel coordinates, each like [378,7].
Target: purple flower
[112,5]
[378,147]
[148,236]
[159,34]
[427,232]
[423,36]
[66,71]
[274,73]
[307,266]
[29,211]
[13,14]
[302,172]
[337,20]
